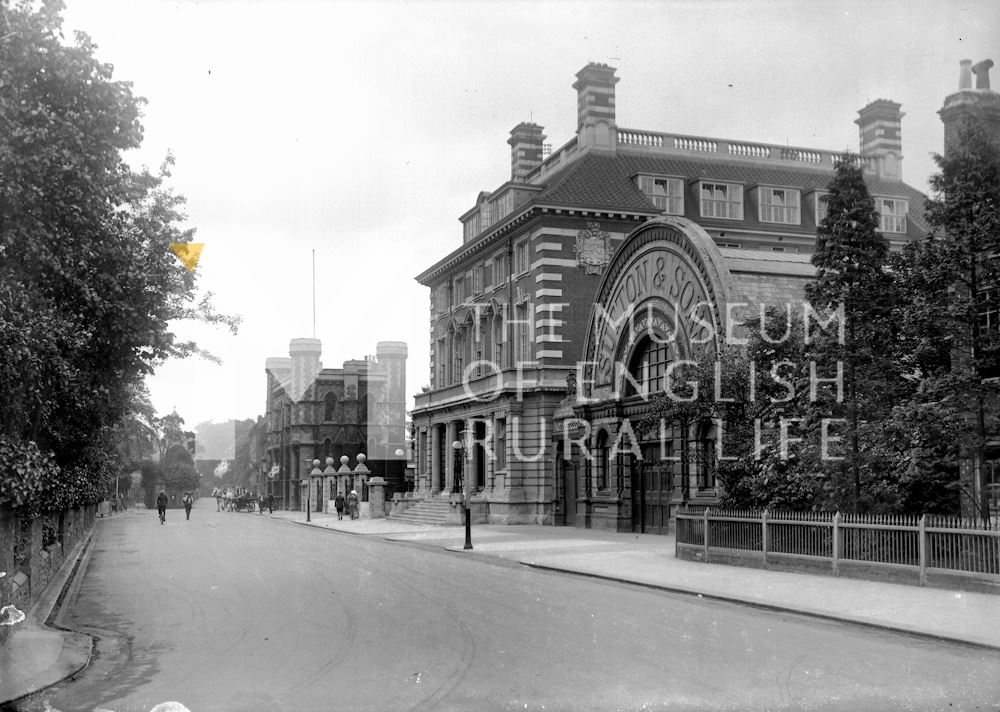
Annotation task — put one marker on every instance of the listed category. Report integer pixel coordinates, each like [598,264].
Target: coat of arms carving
[593,248]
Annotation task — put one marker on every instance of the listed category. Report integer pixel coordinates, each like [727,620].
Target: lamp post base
[468,528]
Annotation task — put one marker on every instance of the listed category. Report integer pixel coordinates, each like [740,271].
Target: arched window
[648,368]
[329,406]
[327,448]
[601,452]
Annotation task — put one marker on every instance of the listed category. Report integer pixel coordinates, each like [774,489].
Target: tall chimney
[982,72]
[526,144]
[595,102]
[981,103]
[880,127]
[965,74]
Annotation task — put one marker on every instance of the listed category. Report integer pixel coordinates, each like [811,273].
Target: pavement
[38,654]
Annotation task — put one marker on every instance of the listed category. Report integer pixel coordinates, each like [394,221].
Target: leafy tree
[88,283]
[748,388]
[851,258]
[952,306]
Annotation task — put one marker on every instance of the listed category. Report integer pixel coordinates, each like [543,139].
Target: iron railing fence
[925,543]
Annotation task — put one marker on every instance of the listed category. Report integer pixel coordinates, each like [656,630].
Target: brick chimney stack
[880,127]
[595,102]
[980,102]
[526,150]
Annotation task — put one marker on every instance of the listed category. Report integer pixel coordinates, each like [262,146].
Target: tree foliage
[851,277]
[88,283]
[954,318]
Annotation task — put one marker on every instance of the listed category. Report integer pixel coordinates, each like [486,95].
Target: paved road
[234,611]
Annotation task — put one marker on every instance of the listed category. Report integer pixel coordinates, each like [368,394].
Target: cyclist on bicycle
[161,506]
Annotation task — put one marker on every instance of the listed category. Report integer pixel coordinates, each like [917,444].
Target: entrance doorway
[652,481]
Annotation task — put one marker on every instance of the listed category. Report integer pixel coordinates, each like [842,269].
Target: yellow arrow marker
[189,252]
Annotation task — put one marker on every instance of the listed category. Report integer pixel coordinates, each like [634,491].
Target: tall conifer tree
[850,260]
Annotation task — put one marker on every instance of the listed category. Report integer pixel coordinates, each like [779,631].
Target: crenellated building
[316,413]
[617,233]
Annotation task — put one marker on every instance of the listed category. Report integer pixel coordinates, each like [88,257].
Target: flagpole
[314,293]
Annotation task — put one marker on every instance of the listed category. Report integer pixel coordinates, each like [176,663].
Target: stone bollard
[376,497]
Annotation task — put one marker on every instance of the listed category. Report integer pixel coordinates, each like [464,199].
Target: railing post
[922,536]
[705,530]
[763,538]
[836,544]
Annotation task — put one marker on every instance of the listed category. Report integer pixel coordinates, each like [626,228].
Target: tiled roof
[605,182]
[596,181]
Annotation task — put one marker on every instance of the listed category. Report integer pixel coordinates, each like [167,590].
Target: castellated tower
[391,357]
[305,366]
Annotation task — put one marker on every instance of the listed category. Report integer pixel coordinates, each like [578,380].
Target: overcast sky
[363,130]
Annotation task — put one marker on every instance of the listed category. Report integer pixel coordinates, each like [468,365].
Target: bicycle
[163,516]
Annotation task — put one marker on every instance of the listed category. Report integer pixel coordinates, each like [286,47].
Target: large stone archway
[667,291]
[667,279]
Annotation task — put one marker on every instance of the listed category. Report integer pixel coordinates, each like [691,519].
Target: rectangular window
[441,299]
[667,194]
[458,362]
[521,257]
[778,205]
[500,270]
[500,445]
[458,291]
[442,363]
[722,200]
[523,332]
[893,214]
[477,279]
[498,341]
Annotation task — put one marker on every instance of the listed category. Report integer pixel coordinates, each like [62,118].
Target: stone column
[361,473]
[329,483]
[435,459]
[376,497]
[474,456]
[343,474]
[449,472]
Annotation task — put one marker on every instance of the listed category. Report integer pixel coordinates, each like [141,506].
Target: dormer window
[893,214]
[778,205]
[667,194]
[820,206]
[722,200]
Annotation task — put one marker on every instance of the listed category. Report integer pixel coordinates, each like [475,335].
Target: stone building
[617,233]
[316,413]
[980,468]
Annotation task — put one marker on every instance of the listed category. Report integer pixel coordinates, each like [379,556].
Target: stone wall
[32,552]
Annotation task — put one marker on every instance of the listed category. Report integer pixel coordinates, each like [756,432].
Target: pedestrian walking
[338,503]
[352,503]
[161,506]
[187,502]
[217,493]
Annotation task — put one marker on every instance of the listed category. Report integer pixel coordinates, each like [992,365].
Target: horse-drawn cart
[244,503]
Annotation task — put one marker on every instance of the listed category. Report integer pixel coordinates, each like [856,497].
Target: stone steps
[428,511]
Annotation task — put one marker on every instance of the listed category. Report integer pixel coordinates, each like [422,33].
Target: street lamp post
[315,471]
[459,446]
